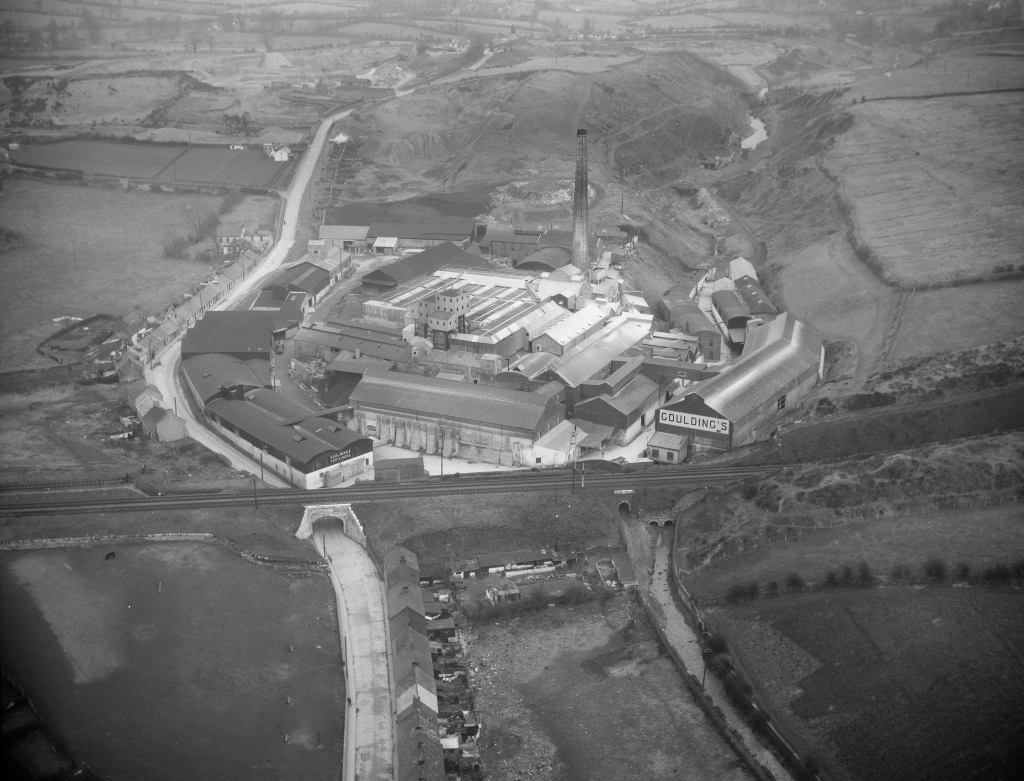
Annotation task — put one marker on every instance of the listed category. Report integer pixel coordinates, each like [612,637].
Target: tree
[267,37]
[194,36]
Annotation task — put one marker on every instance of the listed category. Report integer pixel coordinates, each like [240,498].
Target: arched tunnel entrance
[624,510]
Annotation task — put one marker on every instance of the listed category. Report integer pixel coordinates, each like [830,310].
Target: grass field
[936,186]
[891,683]
[826,285]
[978,538]
[584,693]
[103,254]
[177,659]
[937,322]
[246,168]
[89,102]
[97,157]
[437,529]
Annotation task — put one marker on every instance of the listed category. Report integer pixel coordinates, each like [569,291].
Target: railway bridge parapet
[343,512]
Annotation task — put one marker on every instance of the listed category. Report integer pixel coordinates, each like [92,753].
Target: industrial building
[475,422]
[309,449]
[242,335]
[350,340]
[624,401]
[218,376]
[381,280]
[782,361]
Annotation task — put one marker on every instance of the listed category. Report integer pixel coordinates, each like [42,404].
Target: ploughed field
[176,660]
[936,185]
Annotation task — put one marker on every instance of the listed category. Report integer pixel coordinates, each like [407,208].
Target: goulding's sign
[689,420]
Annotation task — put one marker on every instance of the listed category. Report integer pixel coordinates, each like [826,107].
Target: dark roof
[484,404]
[375,345]
[546,259]
[360,214]
[753,295]
[509,237]
[689,317]
[233,332]
[729,305]
[400,556]
[426,262]
[302,276]
[267,416]
[444,228]
[632,397]
[212,373]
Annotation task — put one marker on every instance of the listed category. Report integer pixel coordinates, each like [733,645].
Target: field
[826,285]
[437,529]
[979,538]
[948,320]
[246,168]
[172,645]
[891,683]
[584,693]
[97,157]
[104,254]
[87,102]
[936,186]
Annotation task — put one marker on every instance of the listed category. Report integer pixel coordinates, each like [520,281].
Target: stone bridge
[350,524]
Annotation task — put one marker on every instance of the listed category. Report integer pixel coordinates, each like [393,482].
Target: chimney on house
[580,221]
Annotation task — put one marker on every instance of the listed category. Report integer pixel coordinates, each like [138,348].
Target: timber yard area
[547,390]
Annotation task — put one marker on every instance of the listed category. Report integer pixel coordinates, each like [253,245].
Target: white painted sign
[689,420]
[625,491]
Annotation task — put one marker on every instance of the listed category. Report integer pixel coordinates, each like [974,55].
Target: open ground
[104,254]
[126,670]
[585,692]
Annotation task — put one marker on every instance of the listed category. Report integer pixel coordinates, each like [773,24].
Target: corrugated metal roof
[632,397]
[454,401]
[729,305]
[783,350]
[592,355]
[668,441]
[547,316]
[753,295]
[561,437]
[576,324]
[213,372]
[535,364]
[688,316]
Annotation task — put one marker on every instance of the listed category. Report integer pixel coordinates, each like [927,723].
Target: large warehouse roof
[212,373]
[597,351]
[779,352]
[426,262]
[232,333]
[482,404]
[690,317]
[576,324]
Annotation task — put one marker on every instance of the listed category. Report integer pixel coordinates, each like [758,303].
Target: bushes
[935,569]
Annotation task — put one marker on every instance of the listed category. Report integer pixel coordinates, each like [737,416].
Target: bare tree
[267,37]
[194,36]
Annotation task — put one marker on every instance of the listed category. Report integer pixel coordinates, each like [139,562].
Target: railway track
[452,485]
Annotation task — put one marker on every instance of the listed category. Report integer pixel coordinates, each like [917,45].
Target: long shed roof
[487,405]
[594,353]
[779,352]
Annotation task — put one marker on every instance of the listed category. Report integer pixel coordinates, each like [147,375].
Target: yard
[585,693]
[165,646]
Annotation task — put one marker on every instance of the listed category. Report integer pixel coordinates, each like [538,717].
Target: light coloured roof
[782,350]
[561,437]
[741,267]
[593,354]
[344,232]
[632,396]
[386,241]
[488,405]
[534,364]
[668,441]
[547,316]
[576,324]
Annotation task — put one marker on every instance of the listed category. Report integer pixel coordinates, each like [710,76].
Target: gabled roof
[632,397]
[488,405]
[560,438]
[304,276]
[212,373]
[343,232]
[578,323]
[597,351]
[779,352]
[426,262]
[233,332]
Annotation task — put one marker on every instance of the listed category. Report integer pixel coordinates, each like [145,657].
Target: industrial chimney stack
[580,221]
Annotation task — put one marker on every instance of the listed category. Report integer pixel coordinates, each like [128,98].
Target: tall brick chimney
[580,218]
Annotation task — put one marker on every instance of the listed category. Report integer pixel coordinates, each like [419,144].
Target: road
[362,620]
[163,374]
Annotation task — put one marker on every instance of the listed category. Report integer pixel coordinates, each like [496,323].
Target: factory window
[782,403]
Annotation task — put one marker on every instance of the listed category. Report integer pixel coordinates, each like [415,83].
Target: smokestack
[580,221]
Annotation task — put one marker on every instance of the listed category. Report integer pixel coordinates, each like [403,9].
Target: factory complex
[494,352]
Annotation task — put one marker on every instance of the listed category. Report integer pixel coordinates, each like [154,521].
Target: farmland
[890,683]
[936,192]
[958,318]
[125,667]
[215,166]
